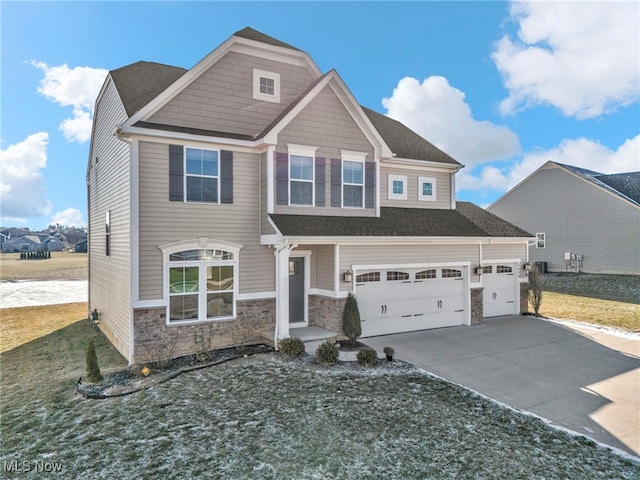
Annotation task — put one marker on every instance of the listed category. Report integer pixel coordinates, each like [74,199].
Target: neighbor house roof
[467,220]
[624,185]
[141,82]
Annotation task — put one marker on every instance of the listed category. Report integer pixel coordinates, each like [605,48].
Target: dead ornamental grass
[61,266]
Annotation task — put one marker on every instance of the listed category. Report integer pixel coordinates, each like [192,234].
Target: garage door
[499,284]
[403,300]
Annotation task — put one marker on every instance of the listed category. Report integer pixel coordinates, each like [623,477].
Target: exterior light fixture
[348,276]
[479,270]
[527,267]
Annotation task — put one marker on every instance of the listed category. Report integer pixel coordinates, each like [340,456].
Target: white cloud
[23,193]
[580,152]
[70,217]
[437,111]
[75,87]
[581,57]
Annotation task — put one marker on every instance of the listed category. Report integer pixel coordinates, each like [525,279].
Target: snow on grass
[262,417]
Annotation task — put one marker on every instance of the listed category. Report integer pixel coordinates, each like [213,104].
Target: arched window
[201,283]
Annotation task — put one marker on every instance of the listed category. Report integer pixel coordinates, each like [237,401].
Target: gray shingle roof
[401,222]
[404,142]
[623,185]
[251,34]
[141,82]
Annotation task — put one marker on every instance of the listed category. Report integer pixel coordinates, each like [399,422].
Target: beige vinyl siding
[326,124]
[443,187]
[227,89]
[577,217]
[162,221]
[325,267]
[110,189]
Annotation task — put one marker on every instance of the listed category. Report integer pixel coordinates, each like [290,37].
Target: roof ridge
[253,34]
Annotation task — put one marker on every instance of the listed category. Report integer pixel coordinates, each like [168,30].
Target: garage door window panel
[368,277]
[426,274]
[451,273]
[395,276]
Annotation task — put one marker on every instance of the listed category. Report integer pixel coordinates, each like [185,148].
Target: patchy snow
[617,332]
[263,417]
[35,293]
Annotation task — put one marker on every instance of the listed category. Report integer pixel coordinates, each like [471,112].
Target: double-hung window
[201,285]
[202,179]
[352,184]
[541,240]
[301,179]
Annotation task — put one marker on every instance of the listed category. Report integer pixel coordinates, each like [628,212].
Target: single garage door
[500,286]
[404,300]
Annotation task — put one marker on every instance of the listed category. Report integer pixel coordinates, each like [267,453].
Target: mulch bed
[131,379]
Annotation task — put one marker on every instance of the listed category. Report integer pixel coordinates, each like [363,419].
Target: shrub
[291,347]
[351,324]
[367,357]
[535,289]
[93,370]
[327,353]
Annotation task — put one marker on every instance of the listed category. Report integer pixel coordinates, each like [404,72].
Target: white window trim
[185,174]
[544,240]
[303,151]
[345,159]
[257,95]
[397,196]
[198,244]
[427,198]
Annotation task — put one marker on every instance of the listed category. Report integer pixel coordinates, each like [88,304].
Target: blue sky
[502,87]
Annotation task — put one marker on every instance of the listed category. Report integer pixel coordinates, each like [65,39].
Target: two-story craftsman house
[252,193]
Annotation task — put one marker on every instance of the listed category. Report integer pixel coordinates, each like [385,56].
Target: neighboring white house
[250,194]
[583,220]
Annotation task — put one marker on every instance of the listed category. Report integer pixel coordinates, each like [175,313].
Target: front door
[296,290]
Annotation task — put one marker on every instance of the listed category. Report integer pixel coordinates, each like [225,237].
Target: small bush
[367,357]
[327,353]
[535,289]
[351,323]
[291,347]
[389,351]
[93,370]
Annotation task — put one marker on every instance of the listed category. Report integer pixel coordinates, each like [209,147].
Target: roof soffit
[233,44]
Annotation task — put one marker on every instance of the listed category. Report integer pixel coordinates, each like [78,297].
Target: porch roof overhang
[406,225]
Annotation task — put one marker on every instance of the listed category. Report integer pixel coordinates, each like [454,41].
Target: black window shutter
[176,173]
[282,178]
[369,184]
[226,176]
[336,182]
[320,181]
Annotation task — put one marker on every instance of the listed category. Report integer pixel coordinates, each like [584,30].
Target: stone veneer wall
[524,297]
[326,312]
[155,340]
[477,306]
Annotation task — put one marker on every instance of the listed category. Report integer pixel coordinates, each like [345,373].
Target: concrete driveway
[582,379]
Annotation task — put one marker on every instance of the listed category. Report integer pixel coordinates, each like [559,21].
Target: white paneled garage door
[500,290]
[403,300]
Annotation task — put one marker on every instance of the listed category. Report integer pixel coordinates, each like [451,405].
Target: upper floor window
[301,180]
[426,189]
[353,184]
[107,227]
[200,175]
[202,178]
[541,240]
[266,86]
[397,187]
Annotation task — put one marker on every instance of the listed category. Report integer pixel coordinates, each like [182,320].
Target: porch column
[282,253]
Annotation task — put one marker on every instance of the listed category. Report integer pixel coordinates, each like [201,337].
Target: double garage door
[404,300]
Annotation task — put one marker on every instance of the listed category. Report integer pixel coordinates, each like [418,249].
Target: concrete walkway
[582,379]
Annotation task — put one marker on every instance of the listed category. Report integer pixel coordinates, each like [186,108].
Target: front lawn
[263,417]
